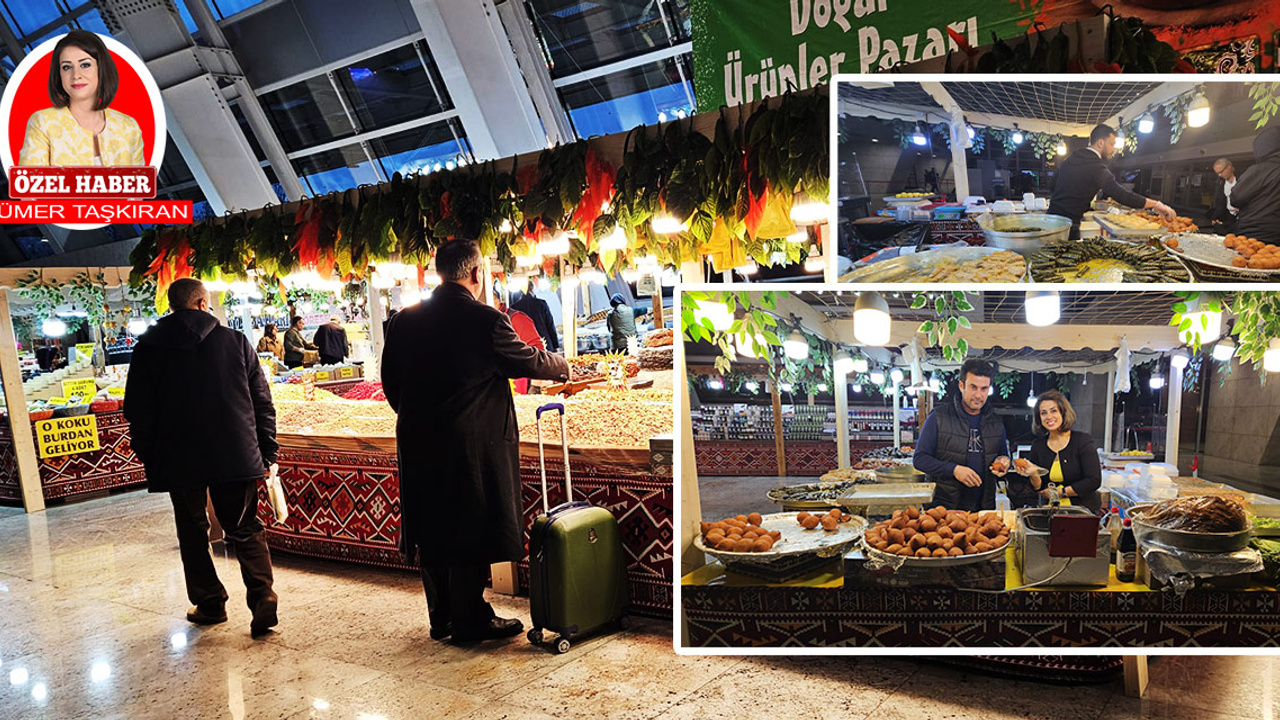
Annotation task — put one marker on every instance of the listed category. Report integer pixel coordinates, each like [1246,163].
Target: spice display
[657,358]
[659,338]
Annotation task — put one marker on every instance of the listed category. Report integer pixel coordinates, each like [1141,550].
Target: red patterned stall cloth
[740,458]
[777,616]
[945,232]
[344,504]
[111,467]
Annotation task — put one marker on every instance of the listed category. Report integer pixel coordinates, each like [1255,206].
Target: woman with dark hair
[80,128]
[270,342]
[1070,456]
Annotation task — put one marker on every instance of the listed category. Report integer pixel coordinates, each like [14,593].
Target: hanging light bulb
[616,240]
[667,224]
[557,244]
[593,276]
[969,131]
[843,363]
[1031,399]
[1042,307]
[1198,111]
[631,276]
[1017,135]
[796,346]
[1224,350]
[1146,123]
[751,385]
[784,387]
[137,326]
[1120,132]
[745,347]
[542,283]
[432,279]
[1156,382]
[533,260]
[935,385]
[798,237]
[506,226]
[877,377]
[857,388]
[1208,323]
[860,365]
[778,259]
[815,262]
[896,376]
[871,320]
[717,312]
[809,210]
[918,137]
[217,285]
[1062,146]
[53,327]
[1179,359]
[822,387]
[715,384]
[1271,358]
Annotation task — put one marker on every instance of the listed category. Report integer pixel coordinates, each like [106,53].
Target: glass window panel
[28,16]
[185,14]
[223,9]
[389,88]
[583,34]
[307,113]
[641,95]
[335,170]
[173,169]
[247,131]
[92,21]
[60,30]
[419,149]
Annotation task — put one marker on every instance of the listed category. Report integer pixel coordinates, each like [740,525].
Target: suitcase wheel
[624,622]
[562,645]
[535,636]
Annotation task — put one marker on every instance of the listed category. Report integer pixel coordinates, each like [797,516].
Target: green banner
[747,50]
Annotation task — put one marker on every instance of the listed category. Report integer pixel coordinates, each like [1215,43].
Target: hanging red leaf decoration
[755,210]
[445,209]
[422,276]
[526,178]
[307,234]
[599,190]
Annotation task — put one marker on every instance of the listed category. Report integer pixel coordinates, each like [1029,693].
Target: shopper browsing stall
[270,342]
[960,440]
[331,342]
[1222,214]
[1085,173]
[1257,193]
[1070,456]
[540,313]
[445,370]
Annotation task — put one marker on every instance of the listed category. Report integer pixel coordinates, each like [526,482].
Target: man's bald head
[188,294]
[1224,168]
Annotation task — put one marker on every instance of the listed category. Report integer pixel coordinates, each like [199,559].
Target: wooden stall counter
[110,467]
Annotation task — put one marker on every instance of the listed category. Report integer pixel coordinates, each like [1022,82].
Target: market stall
[864,558]
[965,171]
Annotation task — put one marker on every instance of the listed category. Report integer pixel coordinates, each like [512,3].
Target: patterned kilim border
[721,458]
[825,617]
[346,506]
[113,466]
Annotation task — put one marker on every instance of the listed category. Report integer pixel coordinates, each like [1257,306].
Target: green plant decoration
[1266,103]
[949,308]
[1185,325]
[1257,323]
[1005,383]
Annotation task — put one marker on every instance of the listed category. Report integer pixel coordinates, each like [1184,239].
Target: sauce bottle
[1126,553]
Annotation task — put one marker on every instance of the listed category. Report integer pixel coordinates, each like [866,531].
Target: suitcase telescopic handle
[542,460]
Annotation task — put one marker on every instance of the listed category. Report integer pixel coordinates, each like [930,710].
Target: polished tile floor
[91,626]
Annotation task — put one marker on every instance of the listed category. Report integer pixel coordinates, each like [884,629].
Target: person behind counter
[294,344]
[540,313]
[1222,214]
[270,342]
[1082,175]
[1257,192]
[1070,455]
[203,424]
[960,440]
[446,369]
[622,323]
[331,342]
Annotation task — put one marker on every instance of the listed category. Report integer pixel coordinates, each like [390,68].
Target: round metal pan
[1190,541]
[795,540]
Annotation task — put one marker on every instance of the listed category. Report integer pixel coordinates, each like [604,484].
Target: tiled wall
[1242,418]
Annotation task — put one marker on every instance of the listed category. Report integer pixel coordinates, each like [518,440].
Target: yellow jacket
[55,138]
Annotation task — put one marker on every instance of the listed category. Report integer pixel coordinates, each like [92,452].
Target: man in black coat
[1257,192]
[1082,175]
[202,423]
[540,313]
[331,342]
[446,369]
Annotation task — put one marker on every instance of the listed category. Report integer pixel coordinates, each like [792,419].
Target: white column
[897,418]
[569,315]
[376,316]
[1174,416]
[24,442]
[1111,407]
[842,418]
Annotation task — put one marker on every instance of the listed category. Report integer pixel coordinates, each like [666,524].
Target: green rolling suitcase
[577,570]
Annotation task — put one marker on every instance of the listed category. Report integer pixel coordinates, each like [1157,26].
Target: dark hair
[456,259]
[185,293]
[295,320]
[270,330]
[1064,409]
[108,77]
[1102,132]
[974,366]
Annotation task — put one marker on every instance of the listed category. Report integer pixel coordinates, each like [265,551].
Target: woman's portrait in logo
[82,100]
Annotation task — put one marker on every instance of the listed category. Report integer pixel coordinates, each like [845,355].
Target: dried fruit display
[599,423]
[938,532]
[365,391]
[286,391]
[657,358]
[660,338]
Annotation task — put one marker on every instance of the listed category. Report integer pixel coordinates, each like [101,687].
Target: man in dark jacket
[540,313]
[1257,192]
[294,346]
[1082,175]
[446,370]
[1222,214]
[331,342]
[959,441]
[201,420]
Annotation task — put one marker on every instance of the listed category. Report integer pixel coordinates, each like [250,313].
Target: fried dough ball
[1239,261]
[955,552]
[764,544]
[776,535]
[801,517]
[912,512]
[755,519]
[829,523]
[939,553]
[924,552]
[744,545]
[810,522]
[894,548]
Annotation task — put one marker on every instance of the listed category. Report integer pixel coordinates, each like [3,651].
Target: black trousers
[293,360]
[235,505]
[456,594]
[330,359]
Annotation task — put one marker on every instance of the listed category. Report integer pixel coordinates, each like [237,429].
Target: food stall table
[112,467]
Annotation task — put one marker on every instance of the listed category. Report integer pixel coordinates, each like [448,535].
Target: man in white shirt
[1222,215]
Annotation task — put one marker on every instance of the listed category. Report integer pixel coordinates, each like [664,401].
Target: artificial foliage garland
[732,191]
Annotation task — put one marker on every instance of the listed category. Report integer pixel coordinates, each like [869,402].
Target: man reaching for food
[1082,175]
[960,440]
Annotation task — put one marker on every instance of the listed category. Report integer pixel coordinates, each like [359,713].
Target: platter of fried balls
[939,534]
[1252,253]
[778,534]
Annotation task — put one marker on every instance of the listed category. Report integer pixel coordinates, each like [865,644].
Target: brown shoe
[264,616]
[495,629]
[207,616]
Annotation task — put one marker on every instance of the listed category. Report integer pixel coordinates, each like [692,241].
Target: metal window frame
[375,134]
[653,56]
[340,64]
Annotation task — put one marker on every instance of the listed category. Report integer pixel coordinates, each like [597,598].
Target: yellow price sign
[84,387]
[67,436]
[346,372]
[57,401]
[85,351]
[324,376]
[115,392]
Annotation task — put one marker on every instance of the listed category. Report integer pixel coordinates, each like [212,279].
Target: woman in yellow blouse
[80,129]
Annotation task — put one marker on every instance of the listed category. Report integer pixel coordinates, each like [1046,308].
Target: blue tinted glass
[186,16]
[646,94]
[60,30]
[335,170]
[417,150]
[29,16]
[226,8]
[92,21]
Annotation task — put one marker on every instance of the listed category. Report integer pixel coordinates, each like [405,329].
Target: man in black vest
[959,441]
[1084,173]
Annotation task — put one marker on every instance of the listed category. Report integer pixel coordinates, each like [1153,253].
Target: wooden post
[1135,675]
[897,419]
[690,513]
[842,418]
[374,300]
[779,444]
[658,321]
[24,441]
[487,296]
